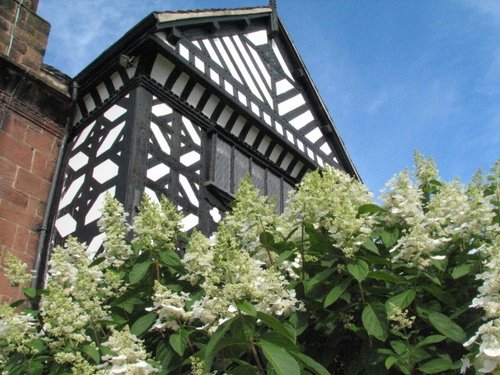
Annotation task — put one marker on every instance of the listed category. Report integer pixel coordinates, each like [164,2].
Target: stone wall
[34,108]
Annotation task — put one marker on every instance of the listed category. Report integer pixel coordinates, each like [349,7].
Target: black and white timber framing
[184,105]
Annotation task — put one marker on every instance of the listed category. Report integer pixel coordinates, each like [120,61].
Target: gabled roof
[289,98]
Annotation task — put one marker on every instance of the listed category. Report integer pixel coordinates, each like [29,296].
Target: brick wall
[34,105]
[29,34]
[28,155]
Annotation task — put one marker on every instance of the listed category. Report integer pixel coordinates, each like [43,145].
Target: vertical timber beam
[136,172]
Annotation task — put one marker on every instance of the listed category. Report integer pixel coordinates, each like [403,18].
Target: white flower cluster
[229,270]
[128,355]
[15,271]
[399,317]
[17,330]
[488,335]
[430,220]
[330,199]
[112,223]
[252,214]
[76,293]
[425,169]
[417,246]
[170,307]
[403,201]
[453,214]
[156,226]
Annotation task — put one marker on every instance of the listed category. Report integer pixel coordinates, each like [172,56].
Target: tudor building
[184,105]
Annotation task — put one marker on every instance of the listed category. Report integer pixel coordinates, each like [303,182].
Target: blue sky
[395,75]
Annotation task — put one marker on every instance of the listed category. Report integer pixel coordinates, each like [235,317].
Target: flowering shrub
[336,284]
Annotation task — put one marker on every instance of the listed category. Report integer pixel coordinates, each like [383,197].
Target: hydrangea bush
[336,284]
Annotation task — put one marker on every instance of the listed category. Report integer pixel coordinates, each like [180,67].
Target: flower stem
[257,359]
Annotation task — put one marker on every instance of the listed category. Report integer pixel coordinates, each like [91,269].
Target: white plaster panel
[283,86]
[191,131]
[105,171]
[188,190]
[190,158]
[314,135]
[189,222]
[102,91]
[157,172]
[195,95]
[110,139]
[84,134]
[210,106]
[211,51]
[161,69]
[65,225]
[290,104]
[300,121]
[258,37]
[161,110]
[114,112]
[95,244]
[78,161]
[180,83]
[71,192]
[95,211]
[160,138]
[224,116]
[117,81]
[89,102]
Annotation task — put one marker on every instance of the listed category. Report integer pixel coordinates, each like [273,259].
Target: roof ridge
[203,10]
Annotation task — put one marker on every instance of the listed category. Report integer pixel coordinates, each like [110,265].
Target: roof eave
[341,149]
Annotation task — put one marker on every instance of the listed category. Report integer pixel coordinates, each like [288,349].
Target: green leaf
[385,276]
[170,258]
[244,370]
[375,320]
[247,308]
[283,362]
[389,238]
[318,278]
[299,321]
[215,339]
[29,292]
[179,341]
[370,209]
[37,344]
[266,239]
[399,346]
[284,256]
[335,293]
[435,366]
[280,340]
[142,324]
[359,269]
[462,270]
[389,361]
[139,271]
[163,354]
[369,245]
[118,319]
[440,294]
[402,300]
[276,325]
[446,326]
[433,339]
[92,352]
[129,304]
[311,364]
[433,278]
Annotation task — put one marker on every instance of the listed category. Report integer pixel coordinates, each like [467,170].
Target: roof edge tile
[205,13]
